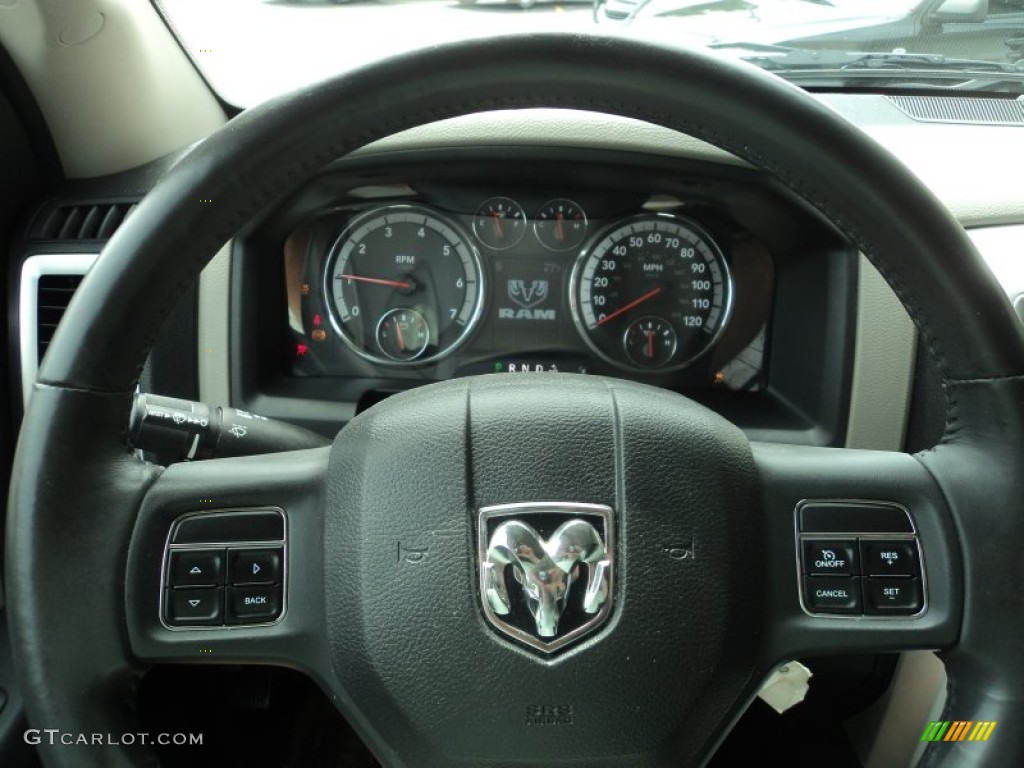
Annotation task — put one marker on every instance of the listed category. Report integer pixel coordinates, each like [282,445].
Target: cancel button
[825,594]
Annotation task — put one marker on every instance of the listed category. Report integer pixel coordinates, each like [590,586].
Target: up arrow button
[196,568]
[255,566]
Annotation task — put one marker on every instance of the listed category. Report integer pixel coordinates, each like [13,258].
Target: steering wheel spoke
[226,563]
[862,553]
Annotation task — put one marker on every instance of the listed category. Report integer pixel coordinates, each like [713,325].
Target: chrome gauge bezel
[511,243]
[328,296]
[538,221]
[728,287]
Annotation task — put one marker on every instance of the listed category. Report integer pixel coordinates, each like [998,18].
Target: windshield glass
[251,50]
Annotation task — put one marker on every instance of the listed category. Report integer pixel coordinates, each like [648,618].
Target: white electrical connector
[786,686]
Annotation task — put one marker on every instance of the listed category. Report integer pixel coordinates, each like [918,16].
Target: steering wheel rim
[78,661]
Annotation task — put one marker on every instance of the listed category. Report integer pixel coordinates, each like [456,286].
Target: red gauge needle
[401,339]
[635,302]
[650,345]
[559,230]
[498,230]
[377,281]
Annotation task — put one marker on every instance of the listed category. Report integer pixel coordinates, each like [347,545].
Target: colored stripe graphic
[935,730]
[954,729]
[958,730]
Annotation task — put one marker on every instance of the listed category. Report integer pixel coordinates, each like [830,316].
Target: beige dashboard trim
[883,366]
[65,48]
[214,361]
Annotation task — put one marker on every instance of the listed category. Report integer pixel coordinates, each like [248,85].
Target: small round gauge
[499,223]
[402,334]
[650,342]
[403,285]
[560,225]
[652,292]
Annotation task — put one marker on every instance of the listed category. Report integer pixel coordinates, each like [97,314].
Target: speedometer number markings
[654,292]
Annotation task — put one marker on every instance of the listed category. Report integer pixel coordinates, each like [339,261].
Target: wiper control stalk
[182,430]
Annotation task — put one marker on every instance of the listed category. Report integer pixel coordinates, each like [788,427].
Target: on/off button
[831,558]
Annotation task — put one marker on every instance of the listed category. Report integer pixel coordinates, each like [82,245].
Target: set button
[892,595]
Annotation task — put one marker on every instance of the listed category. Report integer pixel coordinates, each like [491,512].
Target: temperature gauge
[561,225]
[650,342]
[402,334]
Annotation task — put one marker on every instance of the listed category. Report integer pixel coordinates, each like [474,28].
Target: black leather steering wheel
[403,649]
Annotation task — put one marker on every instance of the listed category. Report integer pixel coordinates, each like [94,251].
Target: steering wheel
[404,646]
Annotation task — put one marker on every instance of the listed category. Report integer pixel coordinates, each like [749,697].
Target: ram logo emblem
[527,293]
[546,591]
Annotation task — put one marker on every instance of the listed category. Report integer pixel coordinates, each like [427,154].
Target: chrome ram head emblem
[546,591]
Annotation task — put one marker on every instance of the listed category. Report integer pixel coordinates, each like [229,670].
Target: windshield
[251,50]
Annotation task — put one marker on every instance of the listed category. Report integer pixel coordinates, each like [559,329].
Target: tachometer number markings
[405,285]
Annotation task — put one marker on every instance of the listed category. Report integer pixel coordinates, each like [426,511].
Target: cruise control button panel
[850,570]
[224,577]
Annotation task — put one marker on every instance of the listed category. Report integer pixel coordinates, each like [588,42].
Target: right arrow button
[255,566]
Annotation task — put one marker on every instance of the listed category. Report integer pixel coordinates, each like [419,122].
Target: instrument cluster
[420,288]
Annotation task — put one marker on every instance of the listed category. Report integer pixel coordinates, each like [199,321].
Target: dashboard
[434,292]
[409,268]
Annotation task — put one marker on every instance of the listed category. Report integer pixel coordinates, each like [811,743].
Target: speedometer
[404,285]
[653,293]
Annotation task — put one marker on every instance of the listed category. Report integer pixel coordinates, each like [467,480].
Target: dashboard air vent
[53,294]
[48,281]
[952,109]
[78,222]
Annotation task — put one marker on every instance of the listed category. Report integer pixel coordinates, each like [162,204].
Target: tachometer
[403,284]
[654,292]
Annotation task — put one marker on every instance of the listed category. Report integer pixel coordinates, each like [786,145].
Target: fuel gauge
[499,223]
